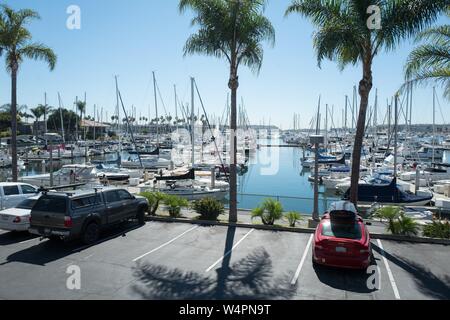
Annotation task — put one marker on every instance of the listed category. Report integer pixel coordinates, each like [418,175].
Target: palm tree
[81,107]
[37,113]
[344,36]
[431,61]
[233,30]
[45,110]
[15,41]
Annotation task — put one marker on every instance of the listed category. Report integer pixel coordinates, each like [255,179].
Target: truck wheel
[141,216]
[91,233]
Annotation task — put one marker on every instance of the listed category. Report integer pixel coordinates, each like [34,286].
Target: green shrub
[154,199]
[437,229]
[293,217]
[406,226]
[269,211]
[174,205]
[208,208]
[390,214]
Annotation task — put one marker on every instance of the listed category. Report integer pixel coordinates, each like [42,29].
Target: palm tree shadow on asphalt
[249,278]
[345,279]
[427,282]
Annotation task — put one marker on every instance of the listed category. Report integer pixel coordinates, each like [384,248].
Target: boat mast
[434,120]
[326,127]
[192,121]
[61,117]
[395,135]
[176,100]
[156,109]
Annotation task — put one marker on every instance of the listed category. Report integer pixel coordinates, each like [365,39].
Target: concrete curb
[227,224]
[380,236]
[399,238]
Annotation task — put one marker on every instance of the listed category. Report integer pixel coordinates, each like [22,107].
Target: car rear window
[342,230]
[26,204]
[51,204]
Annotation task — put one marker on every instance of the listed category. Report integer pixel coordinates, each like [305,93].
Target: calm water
[289,182]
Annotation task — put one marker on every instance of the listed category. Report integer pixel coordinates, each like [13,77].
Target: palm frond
[37,51]
[426,57]
[234,29]
[402,19]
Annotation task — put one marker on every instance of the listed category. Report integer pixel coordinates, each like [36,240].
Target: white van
[11,193]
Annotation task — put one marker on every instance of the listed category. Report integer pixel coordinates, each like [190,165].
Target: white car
[18,218]
[12,193]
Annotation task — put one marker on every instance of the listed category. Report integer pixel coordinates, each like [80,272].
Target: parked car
[341,239]
[66,216]
[18,218]
[12,193]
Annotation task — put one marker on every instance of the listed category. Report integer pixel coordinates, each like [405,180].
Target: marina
[225,150]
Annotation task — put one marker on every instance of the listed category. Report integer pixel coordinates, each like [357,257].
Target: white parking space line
[165,244]
[302,261]
[389,272]
[29,240]
[229,252]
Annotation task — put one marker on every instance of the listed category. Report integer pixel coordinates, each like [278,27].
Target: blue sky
[134,38]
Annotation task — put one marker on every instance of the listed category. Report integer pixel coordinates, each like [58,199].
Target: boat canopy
[190,175]
[387,193]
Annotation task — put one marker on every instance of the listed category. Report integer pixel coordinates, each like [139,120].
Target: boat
[148,162]
[388,194]
[67,175]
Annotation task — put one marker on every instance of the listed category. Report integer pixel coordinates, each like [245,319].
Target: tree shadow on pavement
[249,278]
[47,251]
[427,282]
[345,279]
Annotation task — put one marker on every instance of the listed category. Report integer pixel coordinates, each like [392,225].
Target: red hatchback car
[342,239]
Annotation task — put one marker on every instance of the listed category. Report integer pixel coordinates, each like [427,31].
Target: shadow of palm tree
[248,278]
[345,279]
[427,282]
[48,251]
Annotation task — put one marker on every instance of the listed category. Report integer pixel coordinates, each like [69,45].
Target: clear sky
[134,38]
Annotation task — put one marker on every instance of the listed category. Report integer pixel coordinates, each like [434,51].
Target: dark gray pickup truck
[58,215]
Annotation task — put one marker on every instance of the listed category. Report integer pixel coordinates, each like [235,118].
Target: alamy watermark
[73,282]
[73,21]
[374,21]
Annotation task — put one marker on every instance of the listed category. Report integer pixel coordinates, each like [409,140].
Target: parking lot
[185,261]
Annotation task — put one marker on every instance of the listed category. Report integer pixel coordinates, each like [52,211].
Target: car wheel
[141,216]
[91,233]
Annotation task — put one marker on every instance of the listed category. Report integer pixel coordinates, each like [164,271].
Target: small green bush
[437,229]
[293,217]
[174,205]
[398,222]
[390,214]
[208,208]
[154,199]
[406,226]
[269,211]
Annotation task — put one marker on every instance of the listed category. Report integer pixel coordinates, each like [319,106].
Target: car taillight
[364,251]
[17,220]
[318,247]
[67,222]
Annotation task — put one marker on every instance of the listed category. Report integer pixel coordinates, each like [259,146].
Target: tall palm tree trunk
[365,85]
[233,85]
[14,123]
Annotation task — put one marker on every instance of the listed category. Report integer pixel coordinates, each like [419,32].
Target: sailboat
[388,194]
